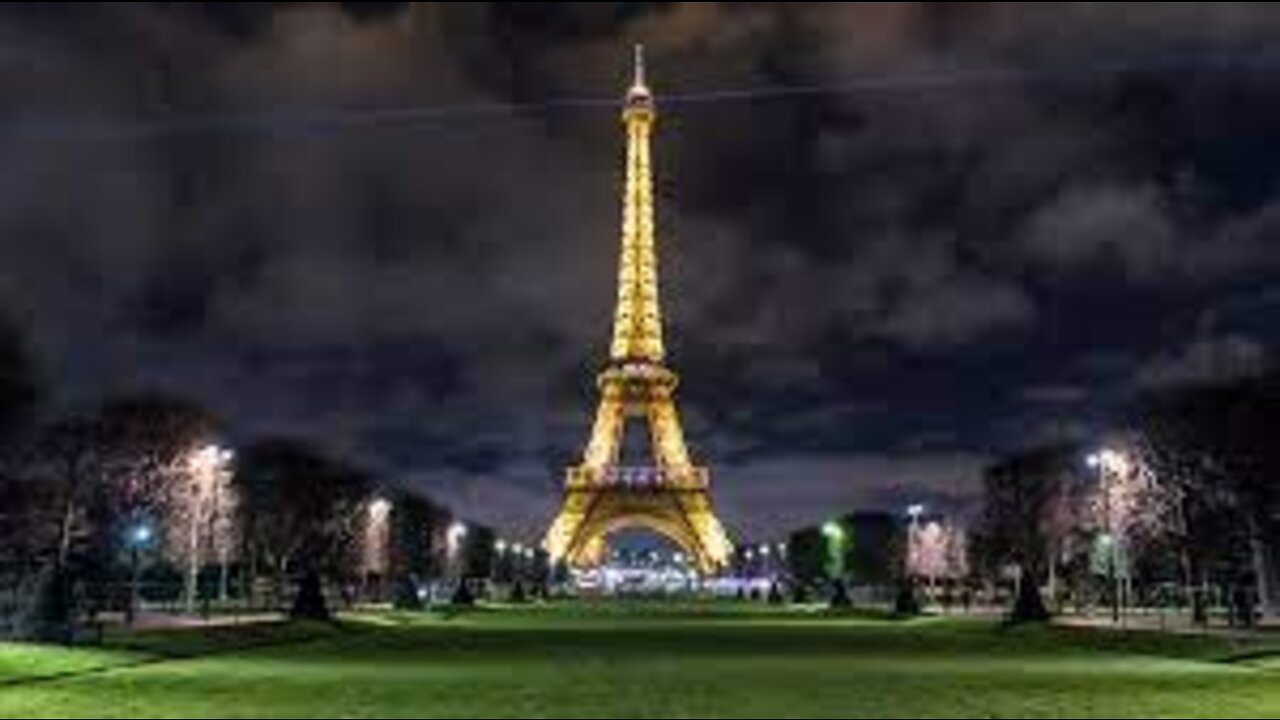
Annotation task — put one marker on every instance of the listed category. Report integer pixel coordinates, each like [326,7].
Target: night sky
[983,225]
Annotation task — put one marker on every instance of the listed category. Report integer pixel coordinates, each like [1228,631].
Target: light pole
[501,572]
[931,548]
[139,536]
[377,550]
[454,538]
[914,514]
[217,525]
[527,572]
[207,466]
[1105,462]
[518,556]
[834,532]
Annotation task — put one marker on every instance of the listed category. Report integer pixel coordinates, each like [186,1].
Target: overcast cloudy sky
[997,224]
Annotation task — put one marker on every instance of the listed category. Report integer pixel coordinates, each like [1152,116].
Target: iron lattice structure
[671,496]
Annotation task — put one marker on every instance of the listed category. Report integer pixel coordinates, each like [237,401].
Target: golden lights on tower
[671,496]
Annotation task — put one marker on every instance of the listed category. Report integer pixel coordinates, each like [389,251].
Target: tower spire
[639,83]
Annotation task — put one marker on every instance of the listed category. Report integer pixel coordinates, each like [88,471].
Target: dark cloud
[1140,233]
[869,291]
[1055,394]
[1206,360]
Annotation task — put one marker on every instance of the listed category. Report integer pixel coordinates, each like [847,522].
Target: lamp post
[454,538]
[518,563]
[377,549]
[500,571]
[139,536]
[914,513]
[208,467]
[834,533]
[1106,462]
[217,525]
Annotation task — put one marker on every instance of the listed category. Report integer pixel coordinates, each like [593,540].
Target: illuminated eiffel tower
[672,495]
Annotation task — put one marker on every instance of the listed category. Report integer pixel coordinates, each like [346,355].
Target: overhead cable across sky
[305,120]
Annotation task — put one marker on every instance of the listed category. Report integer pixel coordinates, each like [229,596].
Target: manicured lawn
[646,661]
[27,661]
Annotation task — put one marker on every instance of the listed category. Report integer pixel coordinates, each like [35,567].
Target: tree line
[1178,507]
[139,501]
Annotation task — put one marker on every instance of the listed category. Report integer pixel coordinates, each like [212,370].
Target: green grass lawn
[649,661]
[27,661]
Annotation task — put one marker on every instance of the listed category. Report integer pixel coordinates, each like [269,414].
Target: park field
[642,661]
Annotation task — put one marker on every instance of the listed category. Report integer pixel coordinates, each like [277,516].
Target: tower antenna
[640,80]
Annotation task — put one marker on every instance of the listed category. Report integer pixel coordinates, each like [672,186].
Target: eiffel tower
[671,496]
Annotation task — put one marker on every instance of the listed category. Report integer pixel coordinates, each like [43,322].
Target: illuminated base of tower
[638,498]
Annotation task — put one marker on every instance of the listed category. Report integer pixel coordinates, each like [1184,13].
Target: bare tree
[147,442]
[302,514]
[1027,514]
[1214,446]
[937,551]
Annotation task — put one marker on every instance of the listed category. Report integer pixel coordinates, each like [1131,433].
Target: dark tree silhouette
[840,599]
[1215,446]
[83,481]
[775,594]
[301,512]
[807,558]
[1022,520]
[145,443]
[415,523]
[906,602]
[518,594]
[64,462]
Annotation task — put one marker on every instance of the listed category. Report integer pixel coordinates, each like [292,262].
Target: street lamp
[208,466]
[834,532]
[226,459]
[499,570]
[377,548]
[141,536]
[457,533]
[913,540]
[1110,464]
[522,558]
[379,509]
[138,537]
